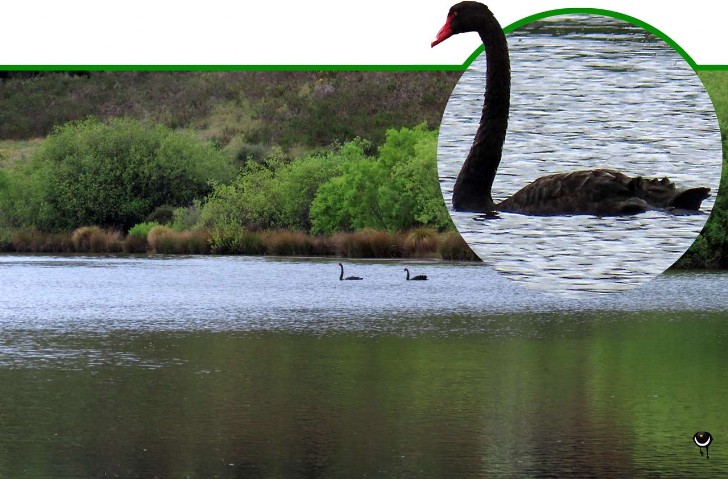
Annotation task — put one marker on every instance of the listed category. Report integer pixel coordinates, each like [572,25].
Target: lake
[234,367]
[587,92]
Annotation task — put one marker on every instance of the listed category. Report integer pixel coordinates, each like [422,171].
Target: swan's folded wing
[595,192]
[601,192]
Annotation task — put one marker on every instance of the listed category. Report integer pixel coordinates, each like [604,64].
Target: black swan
[601,192]
[419,277]
[350,278]
[703,440]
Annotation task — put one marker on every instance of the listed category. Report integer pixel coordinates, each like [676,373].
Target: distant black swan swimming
[419,277]
[341,276]
[600,192]
[703,440]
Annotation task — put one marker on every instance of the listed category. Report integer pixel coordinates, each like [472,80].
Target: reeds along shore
[417,243]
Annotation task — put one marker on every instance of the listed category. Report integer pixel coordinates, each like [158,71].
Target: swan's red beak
[444,33]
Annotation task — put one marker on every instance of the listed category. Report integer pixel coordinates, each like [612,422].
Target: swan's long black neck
[472,190]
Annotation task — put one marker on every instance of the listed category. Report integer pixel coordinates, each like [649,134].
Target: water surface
[256,367]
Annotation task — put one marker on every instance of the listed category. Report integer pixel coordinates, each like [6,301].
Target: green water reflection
[587,395]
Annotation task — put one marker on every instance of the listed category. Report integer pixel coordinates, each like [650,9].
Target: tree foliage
[340,190]
[710,249]
[276,193]
[395,190]
[113,174]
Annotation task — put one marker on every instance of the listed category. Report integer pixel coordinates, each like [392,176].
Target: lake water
[233,367]
[587,92]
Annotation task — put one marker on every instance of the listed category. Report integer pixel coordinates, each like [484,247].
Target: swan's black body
[419,277]
[596,192]
[702,440]
[348,278]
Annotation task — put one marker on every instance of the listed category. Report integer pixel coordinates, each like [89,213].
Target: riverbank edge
[420,243]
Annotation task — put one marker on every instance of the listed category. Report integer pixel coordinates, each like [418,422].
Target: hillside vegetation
[242,111]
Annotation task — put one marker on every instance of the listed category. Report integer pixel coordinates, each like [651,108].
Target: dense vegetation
[341,189]
[110,175]
[225,157]
[293,137]
[710,250]
[243,111]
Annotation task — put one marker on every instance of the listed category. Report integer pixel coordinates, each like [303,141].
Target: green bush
[710,250]
[141,230]
[186,218]
[277,193]
[396,190]
[112,175]
[340,190]
[162,214]
[234,239]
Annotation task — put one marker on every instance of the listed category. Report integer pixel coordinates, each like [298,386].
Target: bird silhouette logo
[702,440]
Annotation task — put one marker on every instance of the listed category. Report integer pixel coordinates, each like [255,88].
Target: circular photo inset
[578,154]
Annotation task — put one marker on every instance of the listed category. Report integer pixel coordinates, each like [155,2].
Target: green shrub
[246,152]
[396,190]
[186,218]
[161,214]
[234,239]
[275,194]
[113,175]
[141,230]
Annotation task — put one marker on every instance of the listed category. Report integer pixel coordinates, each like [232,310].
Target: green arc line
[513,26]
[608,13]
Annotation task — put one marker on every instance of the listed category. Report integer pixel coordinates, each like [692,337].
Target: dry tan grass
[421,242]
[93,239]
[288,243]
[369,244]
[453,247]
[164,240]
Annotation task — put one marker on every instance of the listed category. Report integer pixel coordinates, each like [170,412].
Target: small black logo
[702,440]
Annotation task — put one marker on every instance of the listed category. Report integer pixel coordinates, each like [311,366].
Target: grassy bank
[294,139]
[418,243]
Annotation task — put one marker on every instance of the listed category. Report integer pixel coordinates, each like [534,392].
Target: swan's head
[463,17]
